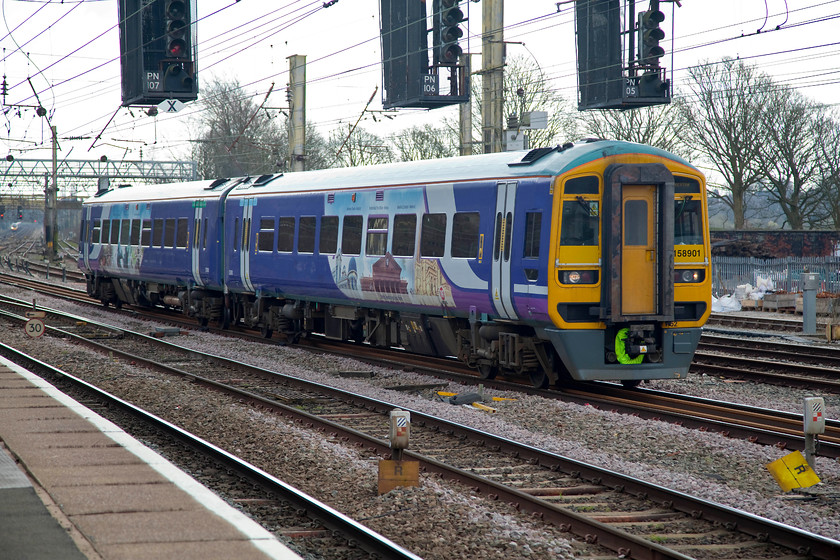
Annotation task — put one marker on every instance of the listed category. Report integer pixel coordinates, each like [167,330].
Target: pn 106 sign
[430,84]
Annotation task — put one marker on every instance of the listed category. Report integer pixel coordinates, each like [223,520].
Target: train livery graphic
[587,261]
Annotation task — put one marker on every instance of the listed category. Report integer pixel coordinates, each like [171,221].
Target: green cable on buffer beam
[621,351]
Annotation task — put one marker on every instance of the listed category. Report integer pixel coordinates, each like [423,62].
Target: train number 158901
[687,253]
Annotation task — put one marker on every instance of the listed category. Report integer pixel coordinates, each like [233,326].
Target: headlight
[688,276]
[578,276]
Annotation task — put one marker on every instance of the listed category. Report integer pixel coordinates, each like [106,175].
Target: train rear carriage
[155,244]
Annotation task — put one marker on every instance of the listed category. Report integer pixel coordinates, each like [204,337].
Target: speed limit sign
[34,328]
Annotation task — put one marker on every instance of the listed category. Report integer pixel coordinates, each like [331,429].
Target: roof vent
[533,156]
[263,180]
[216,183]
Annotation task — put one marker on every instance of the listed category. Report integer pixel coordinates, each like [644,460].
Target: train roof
[544,162]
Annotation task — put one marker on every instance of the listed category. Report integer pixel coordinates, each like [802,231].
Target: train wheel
[486,371]
[265,332]
[539,379]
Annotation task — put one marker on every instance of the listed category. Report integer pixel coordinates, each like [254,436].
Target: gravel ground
[439,520]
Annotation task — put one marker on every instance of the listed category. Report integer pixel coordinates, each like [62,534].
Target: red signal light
[177,48]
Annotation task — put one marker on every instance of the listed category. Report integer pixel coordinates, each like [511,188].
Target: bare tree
[234,137]
[723,114]
[663,126]
[357,147]
[425,142]
[526,89]
[789,155]
[828,180]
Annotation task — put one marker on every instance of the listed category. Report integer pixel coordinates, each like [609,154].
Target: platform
[74,486]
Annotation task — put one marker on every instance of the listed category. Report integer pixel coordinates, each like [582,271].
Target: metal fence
[730,272]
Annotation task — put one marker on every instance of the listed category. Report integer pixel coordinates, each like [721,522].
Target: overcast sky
[69,51]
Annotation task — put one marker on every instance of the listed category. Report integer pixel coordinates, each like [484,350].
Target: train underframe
[545,356]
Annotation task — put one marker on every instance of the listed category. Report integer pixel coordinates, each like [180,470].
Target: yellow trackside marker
[792,471]
[483,407]
[446,394]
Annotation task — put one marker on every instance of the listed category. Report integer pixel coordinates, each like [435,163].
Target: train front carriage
[631,267]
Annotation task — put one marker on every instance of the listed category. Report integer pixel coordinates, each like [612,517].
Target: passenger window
[169,233]
[146,234]
[157,233]
[197,230]
[328,243]
[106,231]
[433,235]
[286,235]
[183,233]
[125,232]
[405,232]
[465,235]
[351,235]
[306,234]
[265,237]
[135,232]
[377,236]
[204,235]
[94,236]
[533,228]
[115,232]
[579,222]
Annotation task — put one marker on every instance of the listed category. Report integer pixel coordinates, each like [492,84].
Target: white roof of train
[477,167]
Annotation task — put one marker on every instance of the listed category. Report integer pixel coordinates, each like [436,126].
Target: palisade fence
[729,272]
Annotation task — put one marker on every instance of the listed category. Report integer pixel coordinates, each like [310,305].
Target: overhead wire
[523,25]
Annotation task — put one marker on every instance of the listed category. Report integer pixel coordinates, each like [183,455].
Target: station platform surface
[75,486]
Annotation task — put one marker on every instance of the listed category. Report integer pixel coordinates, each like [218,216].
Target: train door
[198,213]
[244,235]
[501,281]
[639,250]
[85,245]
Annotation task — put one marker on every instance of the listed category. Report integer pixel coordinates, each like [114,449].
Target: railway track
[791,365]
[769,427]
[629,516]
[768,323]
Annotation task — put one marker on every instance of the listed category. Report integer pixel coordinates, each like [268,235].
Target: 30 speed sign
[34,328]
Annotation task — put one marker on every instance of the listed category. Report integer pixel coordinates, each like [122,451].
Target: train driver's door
[639,250]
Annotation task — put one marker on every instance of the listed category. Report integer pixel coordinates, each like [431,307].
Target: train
[580,262]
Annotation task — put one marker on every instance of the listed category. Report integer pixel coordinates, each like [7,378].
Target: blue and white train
[586,261]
